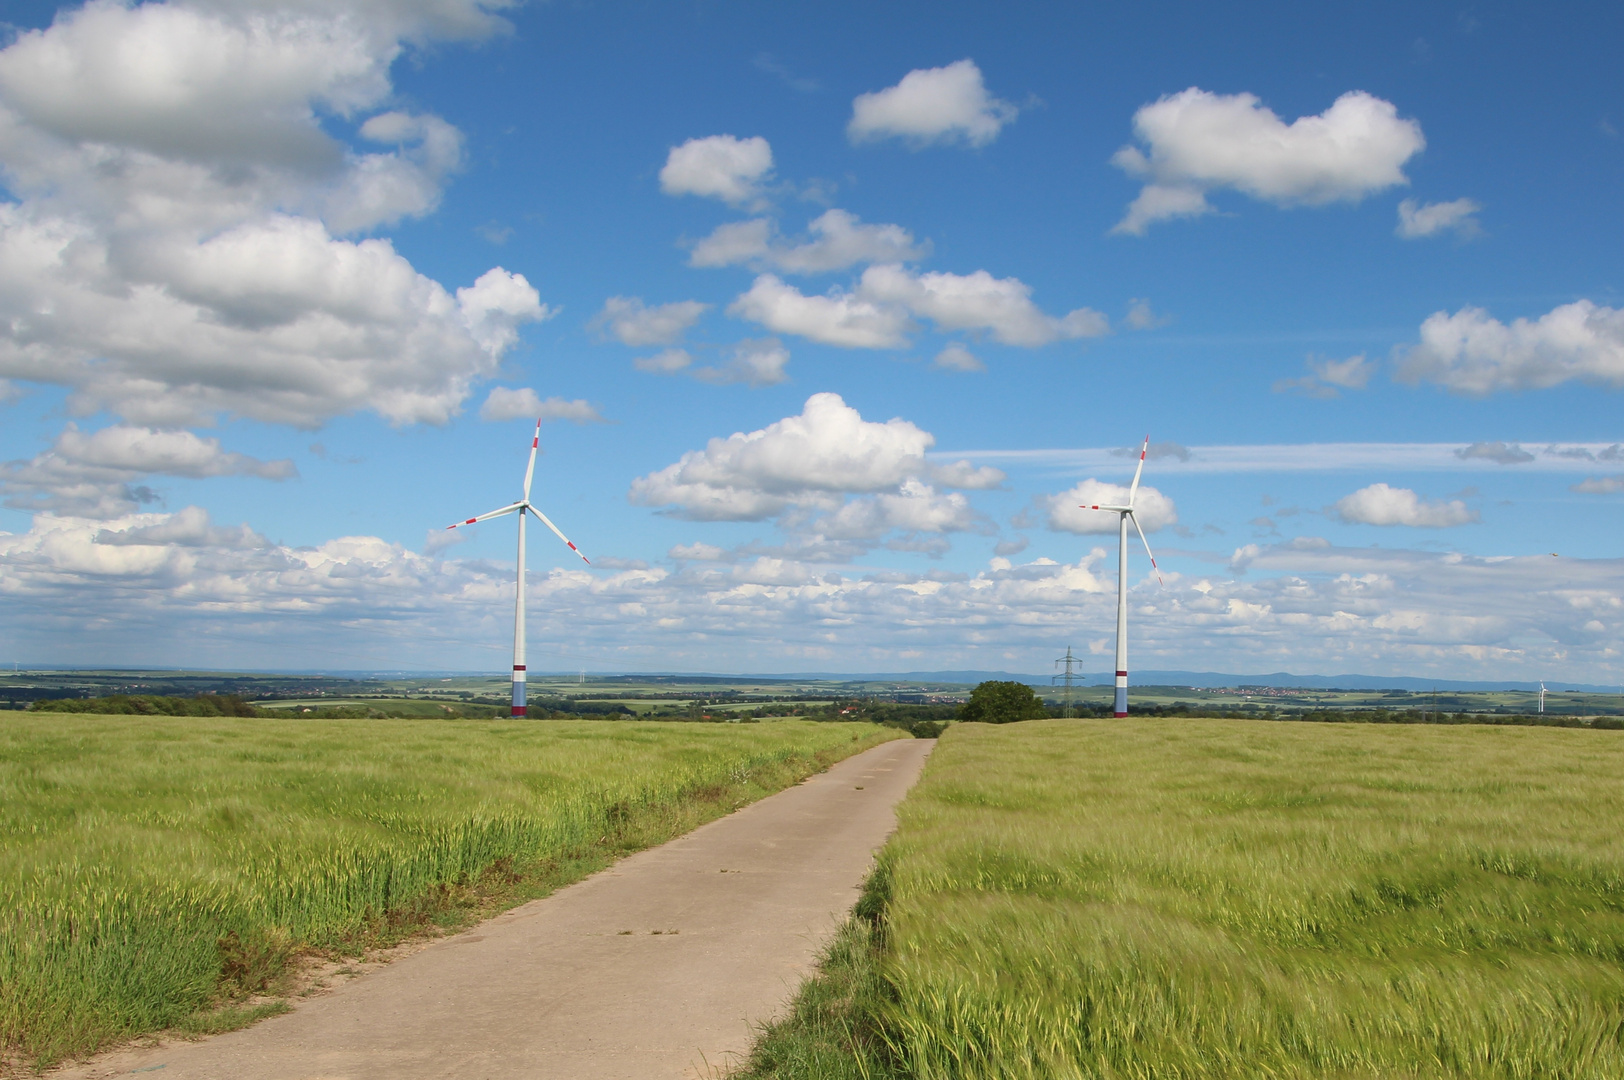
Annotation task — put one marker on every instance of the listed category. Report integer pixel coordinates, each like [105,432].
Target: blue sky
[283,284]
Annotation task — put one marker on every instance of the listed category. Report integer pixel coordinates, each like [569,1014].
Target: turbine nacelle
[524,504]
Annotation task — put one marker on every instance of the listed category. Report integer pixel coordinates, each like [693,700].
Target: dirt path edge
[663,964]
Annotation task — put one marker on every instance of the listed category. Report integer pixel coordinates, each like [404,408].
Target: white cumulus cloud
[1600,485]
[524,403]
[1380,504]
[188,527]
[837,239]
[1328,377]
[955,357]
[664,362]
[932,105]
[1162,202]
[755,362]
[1066,512]
[718,167]
[1471,352]
[634,323]
[914,507]
[836,318]
[1001,306]
[735,243]
[963,474]
[1195,141]
[96,475]
[158,83]
[380,189]
[827,449]
[807,461]
[880,311]
[1141,316]
[175,251]
[1416,220]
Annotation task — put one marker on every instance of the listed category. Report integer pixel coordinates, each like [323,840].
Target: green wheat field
[155,870]
[1235,899]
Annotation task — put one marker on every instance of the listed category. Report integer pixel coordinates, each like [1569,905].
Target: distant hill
[966,677]
[1345,682]
[1207,679]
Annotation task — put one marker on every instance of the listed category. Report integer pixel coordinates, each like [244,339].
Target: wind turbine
[521,508]
[1124,515]
[1542,697]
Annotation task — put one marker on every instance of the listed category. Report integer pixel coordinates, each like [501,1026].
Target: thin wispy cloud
[770,64]
[1322,457]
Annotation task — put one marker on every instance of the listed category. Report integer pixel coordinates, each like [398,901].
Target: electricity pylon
[1067,676]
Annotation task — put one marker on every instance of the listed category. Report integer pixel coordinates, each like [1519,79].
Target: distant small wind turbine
[1124,515]
[521,507]
[1542,697]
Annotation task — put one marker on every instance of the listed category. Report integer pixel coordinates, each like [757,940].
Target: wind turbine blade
[1113,509]
[1132,517]
[561,536]
[1135,488]
[486,517]
[530,469]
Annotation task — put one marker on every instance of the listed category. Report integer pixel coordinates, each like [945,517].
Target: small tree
[994,702]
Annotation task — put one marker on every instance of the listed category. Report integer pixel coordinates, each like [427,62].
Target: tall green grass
[1237,899]
[152,867]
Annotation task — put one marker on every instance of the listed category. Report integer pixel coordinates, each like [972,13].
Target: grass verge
[1218,900]
[228,1018]
[835,1027]
[170,873]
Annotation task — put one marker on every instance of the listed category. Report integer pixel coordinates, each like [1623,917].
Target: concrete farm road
[660,966]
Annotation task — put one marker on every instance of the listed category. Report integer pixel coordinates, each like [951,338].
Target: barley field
[1227,900]
[155,869]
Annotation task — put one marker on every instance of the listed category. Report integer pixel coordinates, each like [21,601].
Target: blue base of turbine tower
[518,691]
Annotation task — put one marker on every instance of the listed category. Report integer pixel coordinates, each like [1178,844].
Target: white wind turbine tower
[1124,515]
[1542,697]
[521,508]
